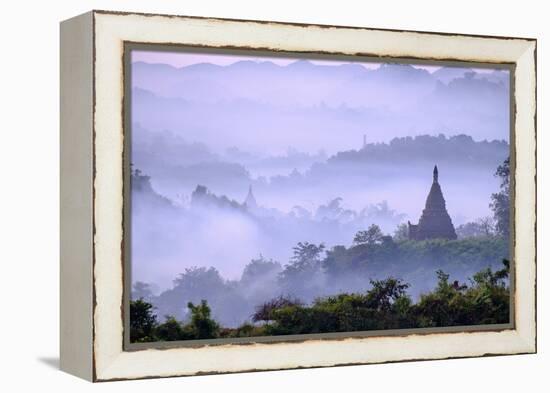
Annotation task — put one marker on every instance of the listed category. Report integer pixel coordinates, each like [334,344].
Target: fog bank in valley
[234,165]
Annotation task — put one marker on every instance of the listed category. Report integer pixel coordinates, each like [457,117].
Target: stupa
[250,200]
[435,222]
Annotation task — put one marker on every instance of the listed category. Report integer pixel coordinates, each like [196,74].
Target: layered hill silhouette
[318,103]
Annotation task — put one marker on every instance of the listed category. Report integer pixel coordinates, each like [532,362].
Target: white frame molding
[92,230]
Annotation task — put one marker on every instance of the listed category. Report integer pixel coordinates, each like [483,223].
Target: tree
[302,275]
[171,330]
[307,253]
[373,235]
[489,278]
[401,232]
[381,212]
[259,269]
[485,301]
[482,227]
[386,305]
[384,293]
[264,312]
[333,210]
[142,290]
[202,325]
[500,201]
[142,321]
[194,284]
[486,225]
[306,258]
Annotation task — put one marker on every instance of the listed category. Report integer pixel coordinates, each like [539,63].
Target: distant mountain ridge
[318,102]
[169,81]
[248,79]
[460,149]
[370,172]
[196,164]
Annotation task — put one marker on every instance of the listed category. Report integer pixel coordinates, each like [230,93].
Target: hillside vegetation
[387,305]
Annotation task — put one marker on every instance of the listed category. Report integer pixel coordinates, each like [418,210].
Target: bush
[172,330]
[202,325]
[485,300]
[387,306]
[264,312]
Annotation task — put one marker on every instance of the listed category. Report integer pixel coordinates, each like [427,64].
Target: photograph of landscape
[278,196]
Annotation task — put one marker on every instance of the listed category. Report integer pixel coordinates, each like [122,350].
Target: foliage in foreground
[316,271]
[484,300]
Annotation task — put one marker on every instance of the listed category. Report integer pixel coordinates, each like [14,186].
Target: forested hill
[457,151]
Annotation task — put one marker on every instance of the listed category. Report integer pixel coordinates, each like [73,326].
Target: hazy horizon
[185,59]
[328,148]
[340,103]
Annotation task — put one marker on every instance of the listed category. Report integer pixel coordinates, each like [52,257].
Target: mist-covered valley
[214,225]
[230,174]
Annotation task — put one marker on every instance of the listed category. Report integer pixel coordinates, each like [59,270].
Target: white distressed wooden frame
[92,194]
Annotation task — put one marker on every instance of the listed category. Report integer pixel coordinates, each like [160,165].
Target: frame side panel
[76,206]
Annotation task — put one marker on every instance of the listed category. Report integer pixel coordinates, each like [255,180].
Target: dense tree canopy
[315,271]
[377,282]
[387,305]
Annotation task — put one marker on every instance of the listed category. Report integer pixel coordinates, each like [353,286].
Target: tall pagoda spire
[435,222]
[250,200]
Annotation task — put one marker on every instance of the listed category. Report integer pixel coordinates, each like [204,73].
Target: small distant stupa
[250,200]
[435,222]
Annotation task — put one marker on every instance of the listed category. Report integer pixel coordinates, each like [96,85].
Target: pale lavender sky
[181,59]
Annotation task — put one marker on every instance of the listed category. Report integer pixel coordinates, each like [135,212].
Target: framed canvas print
[245,195]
